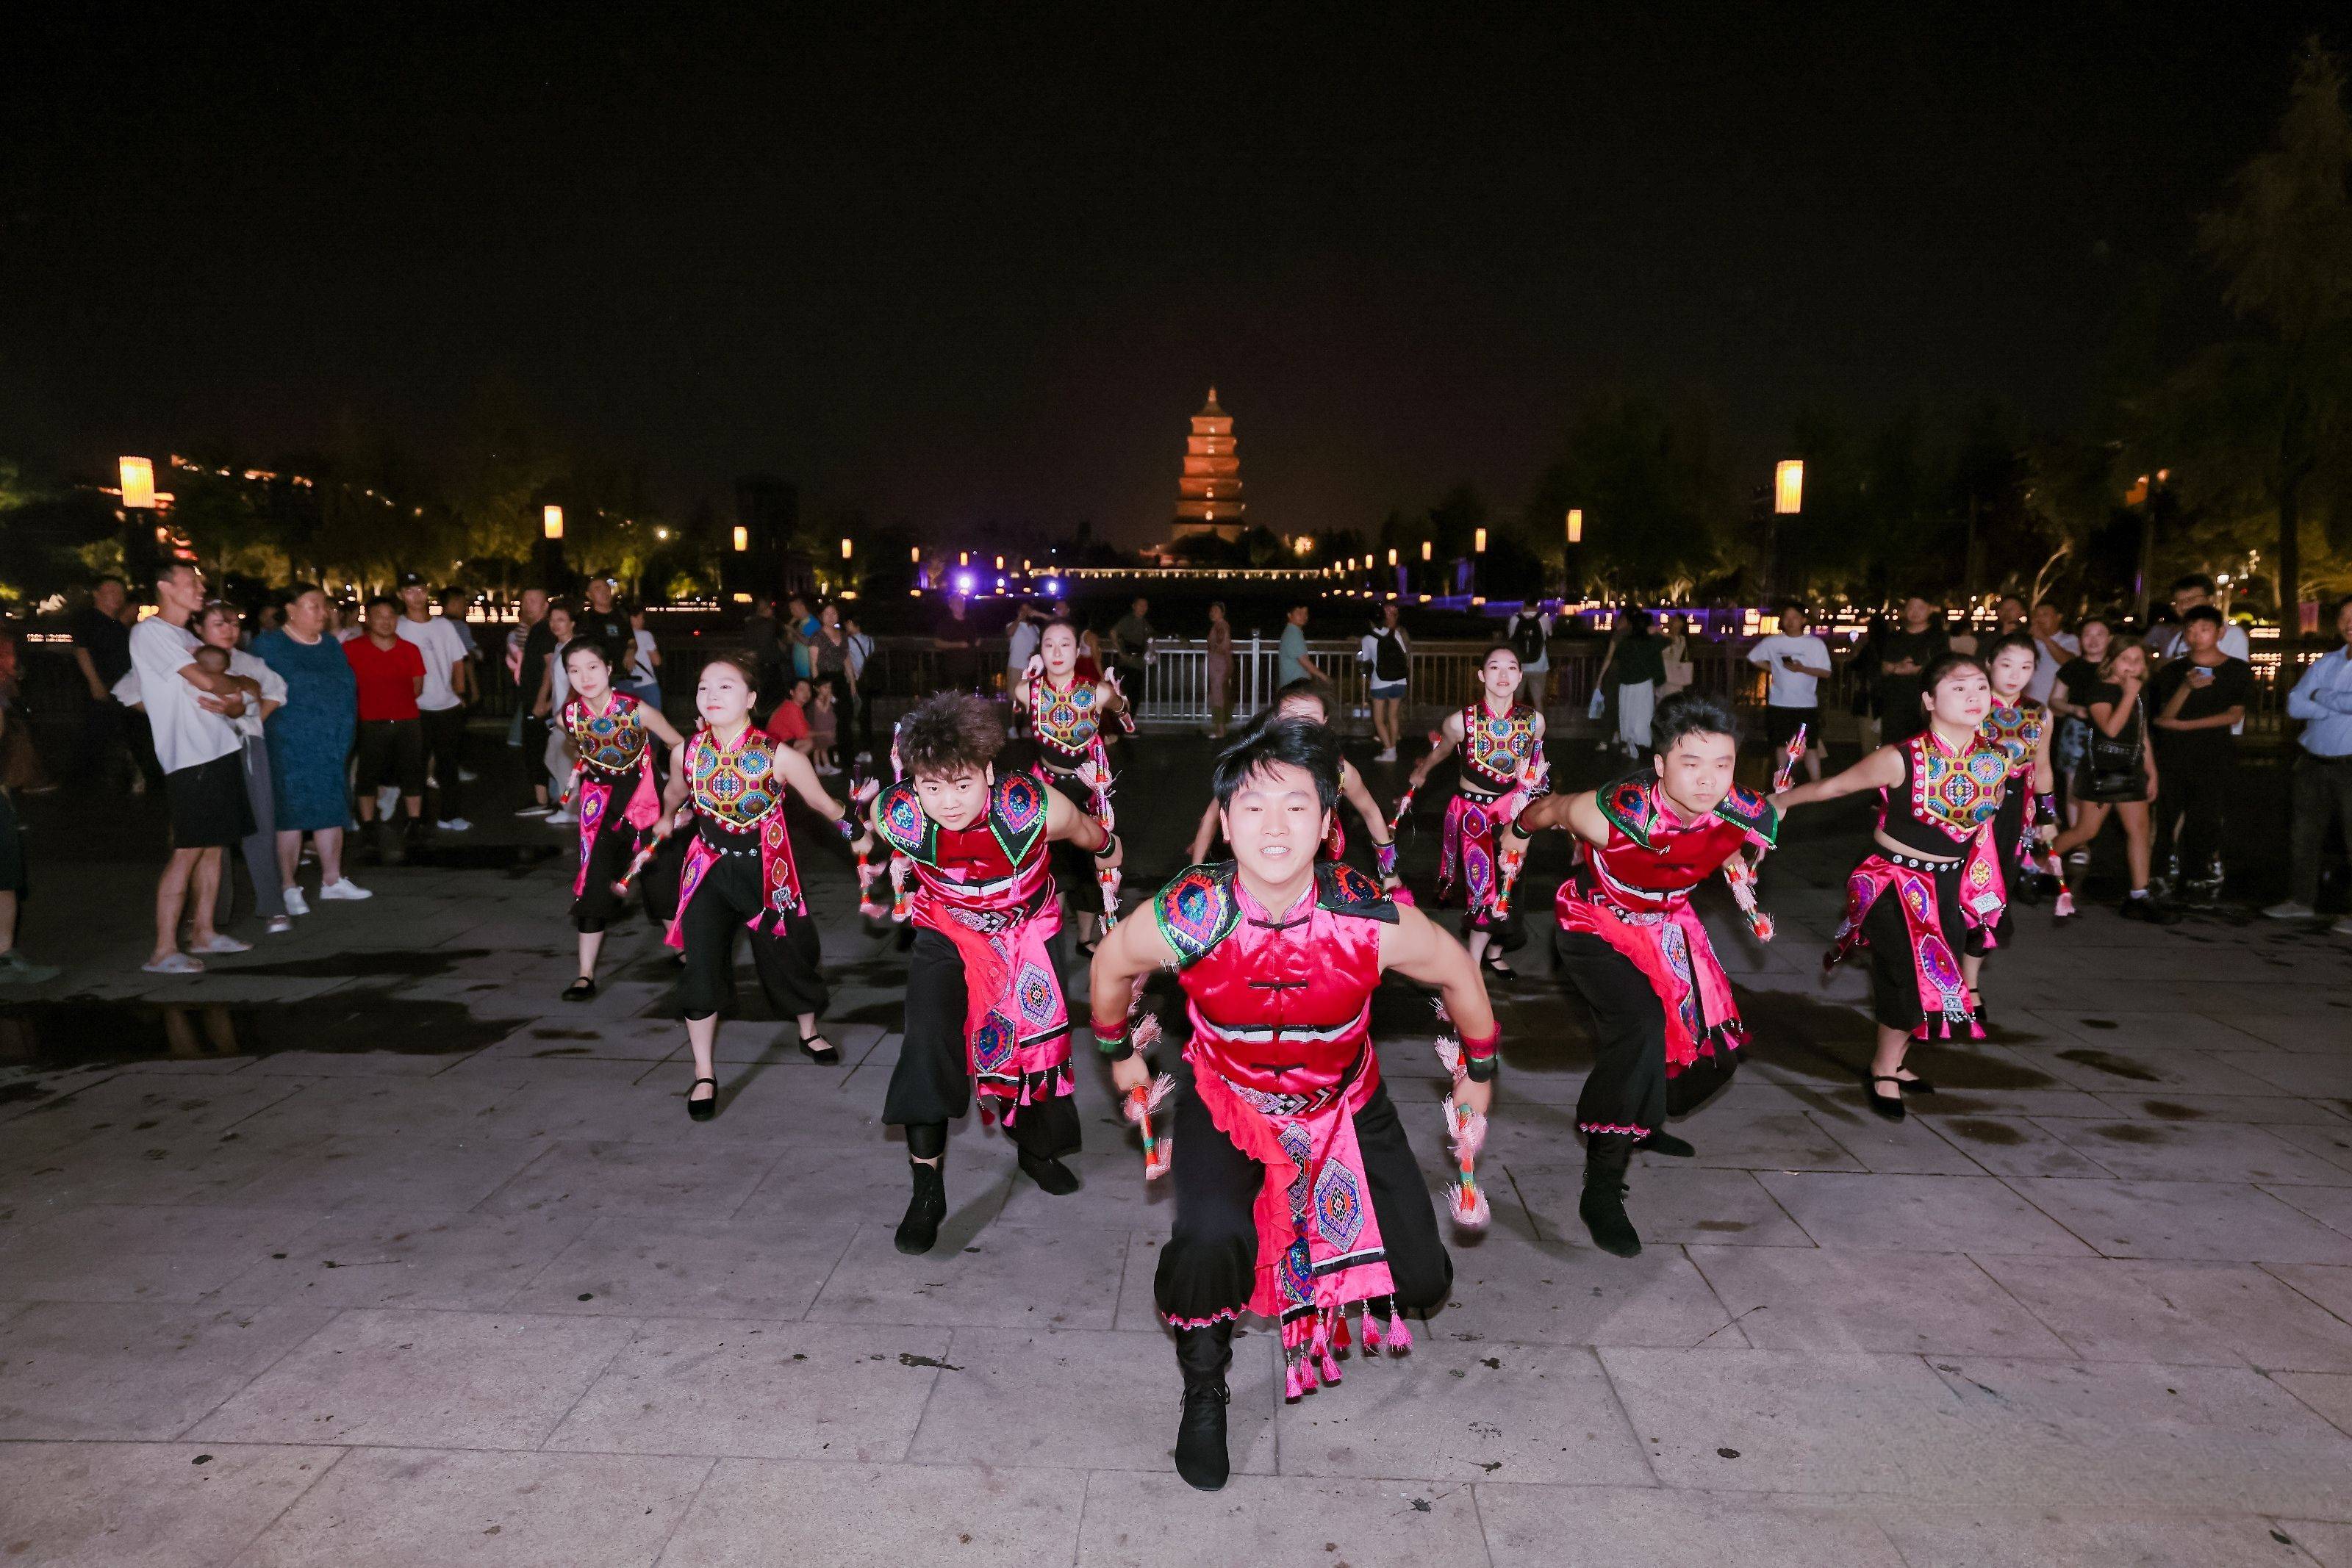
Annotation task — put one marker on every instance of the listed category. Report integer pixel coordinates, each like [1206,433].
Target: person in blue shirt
[2322,774]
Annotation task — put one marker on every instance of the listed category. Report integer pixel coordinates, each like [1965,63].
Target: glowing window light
[1000,563]
[1392,557]
[1576,525]
[1425,549]
[742,538]
[138,482]
[550,521]
[1789,486]
[963,558]
[1478,545]
[845,549]
[914,555]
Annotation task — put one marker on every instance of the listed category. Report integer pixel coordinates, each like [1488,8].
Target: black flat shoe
[1050,1174]
[1664,1143]
[819,1049]
[1889,1106]
[1494,964]
[1914,1084]
[703,1109]
[580,990]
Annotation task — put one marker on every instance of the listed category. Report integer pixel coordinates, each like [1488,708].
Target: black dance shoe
[1602,1206]
[1662,1142]
[1050,1174]
[1204,1354]
[819,1049]
[702,1110]
[925,1209]
[1889,1106]
[580,990]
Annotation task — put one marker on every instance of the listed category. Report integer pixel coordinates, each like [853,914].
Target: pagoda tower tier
[1209,491]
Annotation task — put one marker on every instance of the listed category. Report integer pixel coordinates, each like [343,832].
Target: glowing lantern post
[550,521]
[845,549]
[1576,525]
[1789,488]
[742,538]
[138,482]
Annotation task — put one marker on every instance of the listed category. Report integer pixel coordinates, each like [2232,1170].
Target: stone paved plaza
[363,1249]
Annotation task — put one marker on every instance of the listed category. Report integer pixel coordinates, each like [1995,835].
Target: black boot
[1603,1207]
[1049,1173]
[1662,1142]
[925,1209]
[1204,1354]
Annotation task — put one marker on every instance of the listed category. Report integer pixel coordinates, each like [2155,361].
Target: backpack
[1389,664]
[1528,640]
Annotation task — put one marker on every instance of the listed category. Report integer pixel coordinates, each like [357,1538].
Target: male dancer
[984,1005]
[1297,1194]
[1635,950]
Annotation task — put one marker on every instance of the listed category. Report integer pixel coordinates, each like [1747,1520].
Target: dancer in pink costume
[1296,1192]
[1503,767]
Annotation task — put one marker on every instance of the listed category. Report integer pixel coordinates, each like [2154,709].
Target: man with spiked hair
[1296,1192]
[984,1005]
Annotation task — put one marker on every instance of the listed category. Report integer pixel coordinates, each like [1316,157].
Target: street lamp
[845,549]
[1789,488]
[138,482]
[1576,525]
[550,521]
[742,538]
[1425,549]
[1478,545]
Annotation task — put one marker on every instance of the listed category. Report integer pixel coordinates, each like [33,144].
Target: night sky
[955,265]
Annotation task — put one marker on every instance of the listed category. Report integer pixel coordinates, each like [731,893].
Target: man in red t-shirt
[391,674]
[789,723]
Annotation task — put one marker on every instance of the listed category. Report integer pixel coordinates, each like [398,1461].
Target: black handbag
[2115,758]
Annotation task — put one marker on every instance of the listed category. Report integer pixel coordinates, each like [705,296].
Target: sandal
[821,1050]
[580,989]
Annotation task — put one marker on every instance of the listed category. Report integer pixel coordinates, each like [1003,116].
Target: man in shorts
[189,710]
[1798,662]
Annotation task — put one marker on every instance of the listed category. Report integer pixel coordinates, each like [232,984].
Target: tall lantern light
[1789,488]
[550,521]
[1576,525]
[138,482]
[742,538]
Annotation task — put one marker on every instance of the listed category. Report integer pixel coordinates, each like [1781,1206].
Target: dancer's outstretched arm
[1421,951]
[1882,769]
[1064,821]
[1132,950]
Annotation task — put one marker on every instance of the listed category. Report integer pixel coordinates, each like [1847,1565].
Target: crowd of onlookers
[280,733]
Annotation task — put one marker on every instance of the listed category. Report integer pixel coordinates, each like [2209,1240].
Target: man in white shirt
[2053,646]
[448,678]
[1021,640]
[1799,664]
[191,709]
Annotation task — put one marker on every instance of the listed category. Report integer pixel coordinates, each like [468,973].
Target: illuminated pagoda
[1210,493]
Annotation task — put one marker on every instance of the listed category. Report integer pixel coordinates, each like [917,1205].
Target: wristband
[1109,845]
[1384,858]
[1520,823]
[1112,1039]
[1478,1058]
[2045,807]
[848,826]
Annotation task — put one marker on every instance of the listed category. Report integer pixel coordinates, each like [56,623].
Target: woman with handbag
[2118,774]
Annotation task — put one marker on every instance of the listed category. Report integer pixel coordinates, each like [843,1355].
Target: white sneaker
[1388,754]
[560,818]
[533,811]
[344,889]
[280,924]
[294,902]
[2291,910]
[386,798]
[468,776]
[455,825]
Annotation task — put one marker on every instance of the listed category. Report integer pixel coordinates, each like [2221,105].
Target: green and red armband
[1115,1041]
[1479,1060]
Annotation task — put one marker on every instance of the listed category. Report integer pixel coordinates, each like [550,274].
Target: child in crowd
[824,729]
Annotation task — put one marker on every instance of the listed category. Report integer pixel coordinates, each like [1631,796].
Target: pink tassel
[1331,1366]
[1339,1330]
[1292,1388]
[1371,1332]
[1400,1333]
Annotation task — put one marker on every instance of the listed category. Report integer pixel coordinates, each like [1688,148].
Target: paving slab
[498,1511]
[1786,1298]
[2196,1151]
[1448,1412]
[975,1514]
[643,1179]
[1605,1527]
[424,1379]
[642,1265]
[2217,1222]
[1670,1205]
[126,1252]
[1917,1212]
[1003,1277]
[147,1505]
[412,1258]
[1509,1286]
[2230,1314]
[128,1371]
[1157,1521]
[760,1390]
[2072,1538]
[1086,1400]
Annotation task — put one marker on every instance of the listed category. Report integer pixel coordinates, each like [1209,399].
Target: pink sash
[1943,990]
[1016,1022]
[1671,949]
[642,812]
[780,881]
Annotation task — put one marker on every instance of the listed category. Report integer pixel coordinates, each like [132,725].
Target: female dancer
[1068,711]
[2118,773]
[2022,727]
[1298,1194]
[1931,892]
[738,869]
[614,793]
[1303,699]
[1503,769]
[1668,1028]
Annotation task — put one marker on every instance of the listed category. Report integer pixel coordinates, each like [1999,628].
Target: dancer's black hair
[1294,741]
[1942,667]
[951,733]
[2009,640]
[1690,713]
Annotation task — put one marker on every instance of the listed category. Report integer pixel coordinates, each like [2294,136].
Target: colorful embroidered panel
[1495,750]
[1343,889]
[611,742]
[1016,814]
[737,785]
[1197,910]
[900,817]
[1957,794]
[1752,814]
[2017,730]
[1065,720]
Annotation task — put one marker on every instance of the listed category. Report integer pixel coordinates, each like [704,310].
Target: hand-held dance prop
[1144,1099]
[1535,780]
[2038,856]
[1791,755]
[1095,774]
[1467,1128]
[1739,871]
[642,859]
